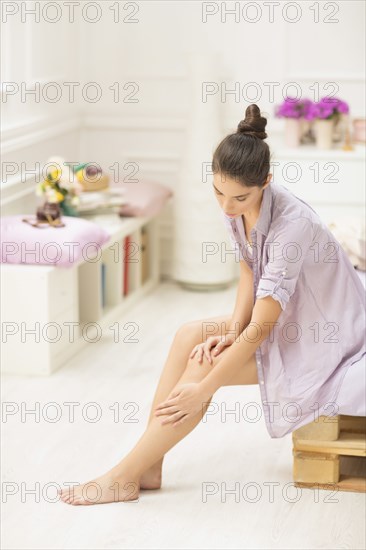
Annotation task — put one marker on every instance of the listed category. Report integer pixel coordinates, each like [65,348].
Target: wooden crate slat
[324,461]
[324,428]
[346,483]
[315,467]
[353,444]
[356,424]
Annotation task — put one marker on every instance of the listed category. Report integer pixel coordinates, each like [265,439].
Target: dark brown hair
[243,155]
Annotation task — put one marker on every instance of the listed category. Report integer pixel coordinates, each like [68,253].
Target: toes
[81,501]
[67,496]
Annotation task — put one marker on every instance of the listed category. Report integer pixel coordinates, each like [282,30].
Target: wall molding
[19,194]
[290,74]
[334,77]
[41,129]
[35,131]
[133,123]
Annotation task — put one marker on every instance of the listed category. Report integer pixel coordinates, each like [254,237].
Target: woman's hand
[182,403]
[216,342]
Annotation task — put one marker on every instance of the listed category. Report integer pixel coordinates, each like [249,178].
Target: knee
[200,330]
[191,331]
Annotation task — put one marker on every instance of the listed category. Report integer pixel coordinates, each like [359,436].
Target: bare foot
[151,479]
[110,487]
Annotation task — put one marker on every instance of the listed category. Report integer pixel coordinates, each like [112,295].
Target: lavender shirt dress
[313,362]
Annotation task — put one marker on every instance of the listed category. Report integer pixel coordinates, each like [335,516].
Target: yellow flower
[54,175]
[80,175]
[51,195]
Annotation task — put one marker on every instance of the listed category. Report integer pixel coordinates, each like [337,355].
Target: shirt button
[262,381]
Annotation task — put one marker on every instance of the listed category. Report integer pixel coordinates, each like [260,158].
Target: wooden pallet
[330,453]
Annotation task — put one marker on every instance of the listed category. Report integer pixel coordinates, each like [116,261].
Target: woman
[297,326]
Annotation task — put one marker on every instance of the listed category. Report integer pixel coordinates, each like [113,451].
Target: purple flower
[293,108]
[343,107]
[327,108]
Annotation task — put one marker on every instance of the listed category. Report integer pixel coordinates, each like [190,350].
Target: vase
[67,208]
[48,211]
[306,135]
[292,132]
[359,130]
[195,227]
[340,121]
[324,133]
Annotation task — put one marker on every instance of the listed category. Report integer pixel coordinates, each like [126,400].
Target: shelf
[132,261]
[309,151]
[111,258]
[120,260]
[116,225]
[76,296]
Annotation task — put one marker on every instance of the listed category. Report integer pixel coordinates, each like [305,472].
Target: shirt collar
[265,212]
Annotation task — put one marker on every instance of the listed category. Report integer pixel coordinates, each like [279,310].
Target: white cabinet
[37,303]
[49,313]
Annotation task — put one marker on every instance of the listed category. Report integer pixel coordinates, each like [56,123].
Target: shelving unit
[65,305]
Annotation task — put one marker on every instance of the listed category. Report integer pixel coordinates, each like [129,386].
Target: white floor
[217,456]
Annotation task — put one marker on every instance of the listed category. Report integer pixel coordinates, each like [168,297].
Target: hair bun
[253,124]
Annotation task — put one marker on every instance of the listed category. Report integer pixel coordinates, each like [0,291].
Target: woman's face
[237,199]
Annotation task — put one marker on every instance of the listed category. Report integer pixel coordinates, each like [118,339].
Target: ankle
[123,471]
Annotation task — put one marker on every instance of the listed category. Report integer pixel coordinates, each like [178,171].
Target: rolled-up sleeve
[286,250]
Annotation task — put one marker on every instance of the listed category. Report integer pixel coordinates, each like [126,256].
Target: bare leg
[122,481]
[188,336]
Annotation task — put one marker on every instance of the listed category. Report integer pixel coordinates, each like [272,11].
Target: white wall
[35,53]
[152,53]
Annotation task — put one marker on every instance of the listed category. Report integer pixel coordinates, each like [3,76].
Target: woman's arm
[244,301]
[275,288]
[265,314]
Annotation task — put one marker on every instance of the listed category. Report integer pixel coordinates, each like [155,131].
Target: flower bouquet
[328,108]
[293,108]
[328,115]
[301,115]
[295,111]
[61,189]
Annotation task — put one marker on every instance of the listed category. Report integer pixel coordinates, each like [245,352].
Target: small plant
[61,185]
[328,108]
[293,108]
